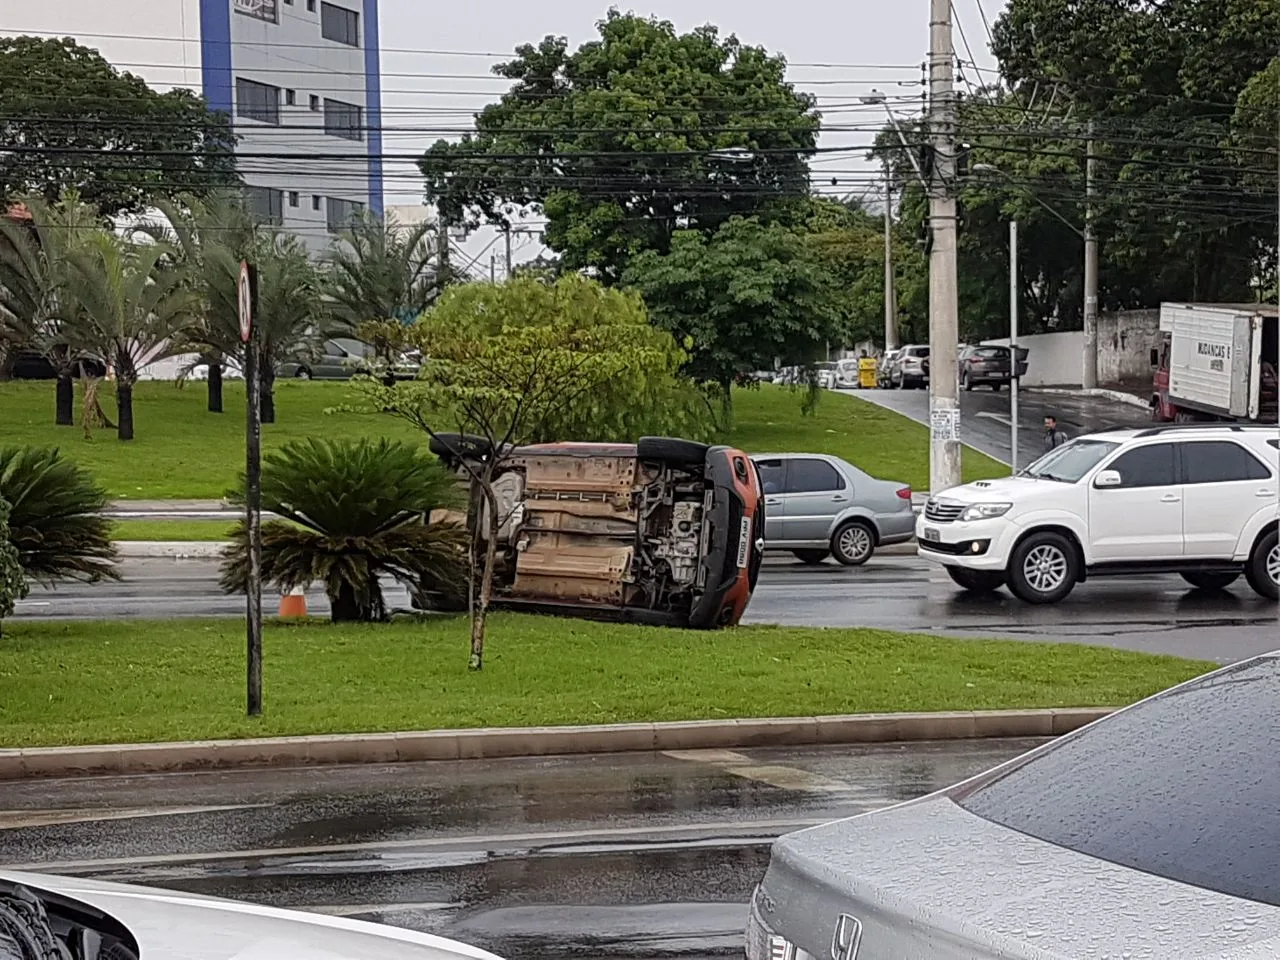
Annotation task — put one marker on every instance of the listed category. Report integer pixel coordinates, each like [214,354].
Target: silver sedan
[1153,833]
[818,506]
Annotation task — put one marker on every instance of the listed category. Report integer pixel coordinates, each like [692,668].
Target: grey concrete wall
[1125,340]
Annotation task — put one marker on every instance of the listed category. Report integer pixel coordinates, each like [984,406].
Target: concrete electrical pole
[1089,375]
[890,293]
[508,239]
[944,308]
[442,251]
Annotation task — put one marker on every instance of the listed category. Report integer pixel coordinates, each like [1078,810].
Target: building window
[290,98]
[265,204]
[293,198]
[339,213]
[315,103]
[257,101]
[340,24]
[311,6]
[315,202]
[258,9]
[342,120]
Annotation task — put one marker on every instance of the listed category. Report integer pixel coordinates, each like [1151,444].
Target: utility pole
[1089,375]
[442,250]
[247,304]
[508,239]
[944,308]
[1013,345]
[890,294]
[493,268]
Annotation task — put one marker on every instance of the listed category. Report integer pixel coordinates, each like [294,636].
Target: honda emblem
[847,938]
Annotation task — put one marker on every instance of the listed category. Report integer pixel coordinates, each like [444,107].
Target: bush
[13,583]
[353,511]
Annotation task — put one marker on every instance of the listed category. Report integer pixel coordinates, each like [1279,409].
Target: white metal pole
[890,298]
[1013,344]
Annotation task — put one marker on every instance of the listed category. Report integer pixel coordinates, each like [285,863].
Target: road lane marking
[999,418]
[27,819]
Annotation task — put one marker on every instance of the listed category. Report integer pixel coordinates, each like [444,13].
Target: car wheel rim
[855,543]
[1045,568]
[1273,564]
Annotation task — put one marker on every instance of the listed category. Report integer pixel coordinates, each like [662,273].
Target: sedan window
[1183,786]
[812,476]
[772,475]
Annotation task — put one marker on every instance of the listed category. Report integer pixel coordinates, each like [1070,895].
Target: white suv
[1200,500]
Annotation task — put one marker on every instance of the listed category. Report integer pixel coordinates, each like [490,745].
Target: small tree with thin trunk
[519,363]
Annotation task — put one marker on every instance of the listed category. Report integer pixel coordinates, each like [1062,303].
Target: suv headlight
[985,511]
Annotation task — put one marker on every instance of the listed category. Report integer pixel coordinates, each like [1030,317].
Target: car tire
[1263,569]
[966,382]
[1043,568]
[1210,581]
[453,446]
[302,373]
[811,557]
[976,581]
[853,543]
[996,386]
[672,450]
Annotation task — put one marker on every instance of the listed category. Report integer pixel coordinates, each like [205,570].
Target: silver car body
[185,926]
[808,519]
[1191,871]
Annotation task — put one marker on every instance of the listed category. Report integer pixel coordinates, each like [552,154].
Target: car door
[773,478]
[332,363]
[814,494]
[1141,519]
[1224,485]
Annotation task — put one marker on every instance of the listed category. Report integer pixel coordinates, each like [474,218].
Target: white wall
[1056,359]
[1125,339]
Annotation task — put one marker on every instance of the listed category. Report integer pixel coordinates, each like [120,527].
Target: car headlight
[985,511]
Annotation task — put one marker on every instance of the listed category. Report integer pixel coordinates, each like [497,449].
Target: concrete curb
[1119,396]
[171,549]
[496,743]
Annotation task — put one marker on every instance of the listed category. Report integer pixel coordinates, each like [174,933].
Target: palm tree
[193,226]
[36,242]
[56,519]
[13,582]
[379,270]
[353,511]
[129,303]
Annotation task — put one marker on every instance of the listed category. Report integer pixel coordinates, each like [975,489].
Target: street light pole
[944,401]
[1089,375]
[1013,345]
[890,293]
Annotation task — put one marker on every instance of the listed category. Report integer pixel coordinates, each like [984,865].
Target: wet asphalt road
[985,417]
[1153,614]
[605,857]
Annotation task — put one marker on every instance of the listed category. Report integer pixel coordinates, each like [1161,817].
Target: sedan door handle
[1266,492]
[1170,498]
[771,502]
[839,499]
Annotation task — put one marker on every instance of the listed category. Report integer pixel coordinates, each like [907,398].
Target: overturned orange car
[663,531]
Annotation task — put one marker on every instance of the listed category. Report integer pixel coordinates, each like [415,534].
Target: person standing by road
[1053,437]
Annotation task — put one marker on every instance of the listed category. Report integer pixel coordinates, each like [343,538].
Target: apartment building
[300,79]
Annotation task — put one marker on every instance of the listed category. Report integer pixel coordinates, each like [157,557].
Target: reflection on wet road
[598,857]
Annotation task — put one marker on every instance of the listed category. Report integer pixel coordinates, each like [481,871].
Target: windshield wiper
[1054,476]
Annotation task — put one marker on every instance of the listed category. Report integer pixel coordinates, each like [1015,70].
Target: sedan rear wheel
[966,381]
[854,543]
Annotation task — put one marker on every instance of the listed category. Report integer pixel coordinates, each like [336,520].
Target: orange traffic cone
[293,603]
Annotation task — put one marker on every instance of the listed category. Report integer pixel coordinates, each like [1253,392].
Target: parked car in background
[992,366]
[341,359]
[819,506]
[663,531]
[1151,833]
[911,368]
[61,917]
[846,377]
[825,373]
[884,372]
[34,365]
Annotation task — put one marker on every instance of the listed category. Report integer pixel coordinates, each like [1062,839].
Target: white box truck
[1216,362]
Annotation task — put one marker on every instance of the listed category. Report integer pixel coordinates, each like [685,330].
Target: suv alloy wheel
[1263,568]
[1043,568]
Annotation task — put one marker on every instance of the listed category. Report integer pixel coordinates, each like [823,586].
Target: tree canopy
[635,136]
[69,120]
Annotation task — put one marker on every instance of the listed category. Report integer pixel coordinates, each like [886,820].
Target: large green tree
[630,139]
[69,120]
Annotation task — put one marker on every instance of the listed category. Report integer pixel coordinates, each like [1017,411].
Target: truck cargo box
[1214,356]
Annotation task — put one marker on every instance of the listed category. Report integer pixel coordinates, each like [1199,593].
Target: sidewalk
[1131,396]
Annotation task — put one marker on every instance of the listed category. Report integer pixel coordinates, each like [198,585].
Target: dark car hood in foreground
[930,881]
[184,926]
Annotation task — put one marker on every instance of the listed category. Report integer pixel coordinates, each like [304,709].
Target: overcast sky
[861,37]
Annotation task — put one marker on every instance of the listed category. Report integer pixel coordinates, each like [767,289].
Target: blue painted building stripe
[215,53]
[373,103]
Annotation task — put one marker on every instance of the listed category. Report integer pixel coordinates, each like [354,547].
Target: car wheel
[976,581]
[1210,581]
[454,446]
[854,543]
[302,374]
[672,450]
[811,557]
[996,387]
[966,382]
[1263,569]
[1043,568]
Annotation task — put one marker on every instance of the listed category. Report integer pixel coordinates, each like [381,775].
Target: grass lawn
[171,530]
[184,452]
[112,681]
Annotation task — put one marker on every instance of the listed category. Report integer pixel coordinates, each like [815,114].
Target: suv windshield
[1071,461]
[1183,786]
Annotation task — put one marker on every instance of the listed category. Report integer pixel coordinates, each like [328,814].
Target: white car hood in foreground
[182,926]
[1006,490]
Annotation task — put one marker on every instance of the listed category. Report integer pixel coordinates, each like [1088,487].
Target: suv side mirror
[1155,357]
[1108,478]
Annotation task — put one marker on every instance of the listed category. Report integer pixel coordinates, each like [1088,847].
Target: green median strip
[144,681]
[173,530]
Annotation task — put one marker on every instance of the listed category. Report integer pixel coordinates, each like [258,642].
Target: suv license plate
[932,535]
[744,543]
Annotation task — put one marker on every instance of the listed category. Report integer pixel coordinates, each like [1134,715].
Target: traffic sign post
[247,303]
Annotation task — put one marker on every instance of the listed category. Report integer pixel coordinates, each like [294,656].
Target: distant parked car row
[341,359]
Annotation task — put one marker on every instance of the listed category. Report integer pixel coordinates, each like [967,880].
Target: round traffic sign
[244,300]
